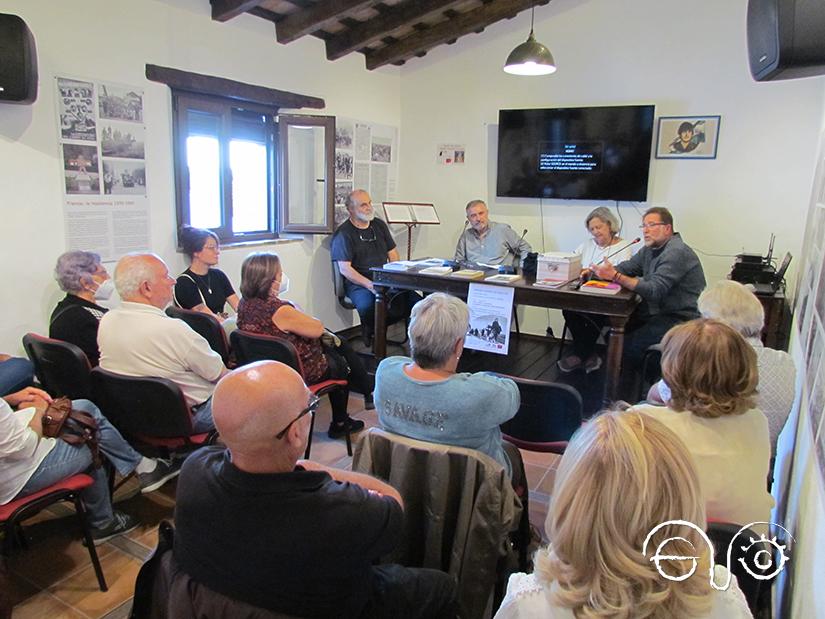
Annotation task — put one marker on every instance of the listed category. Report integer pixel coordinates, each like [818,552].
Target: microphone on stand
[633,242]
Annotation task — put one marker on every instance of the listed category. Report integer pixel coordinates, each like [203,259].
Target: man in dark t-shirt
[294,537]
[360,243]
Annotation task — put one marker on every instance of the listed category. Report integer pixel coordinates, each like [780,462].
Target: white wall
[686,60]
[113,40]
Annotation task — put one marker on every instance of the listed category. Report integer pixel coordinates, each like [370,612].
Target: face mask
[105,290]
[284,284]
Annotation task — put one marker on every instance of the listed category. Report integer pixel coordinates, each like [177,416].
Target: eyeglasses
[211,247]
[314,401]
[367,240]
[651,225]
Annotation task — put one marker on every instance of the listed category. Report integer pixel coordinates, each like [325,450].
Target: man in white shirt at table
[139,339]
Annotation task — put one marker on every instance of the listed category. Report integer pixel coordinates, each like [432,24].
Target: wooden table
[617,308]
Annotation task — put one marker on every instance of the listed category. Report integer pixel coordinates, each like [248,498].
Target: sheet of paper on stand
[491,312]
[559,266]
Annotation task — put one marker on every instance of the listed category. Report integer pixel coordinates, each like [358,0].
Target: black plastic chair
[549,415]
[651,369]
[208,327]
[757,592]
[62,368]
[251,347]
[151,412]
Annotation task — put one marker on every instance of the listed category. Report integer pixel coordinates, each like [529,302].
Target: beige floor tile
[51,558]
[81,592]
[44,606]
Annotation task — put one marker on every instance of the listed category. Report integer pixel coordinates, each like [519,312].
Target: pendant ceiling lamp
[531,57]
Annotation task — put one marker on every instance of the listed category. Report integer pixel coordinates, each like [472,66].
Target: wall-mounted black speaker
[18,61]
[786,38]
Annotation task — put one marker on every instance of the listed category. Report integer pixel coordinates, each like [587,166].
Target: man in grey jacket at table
[488,242]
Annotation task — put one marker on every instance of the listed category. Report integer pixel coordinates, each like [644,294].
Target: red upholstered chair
[12,514]
[150,412]
[251,347]
[62,368]
[549,415]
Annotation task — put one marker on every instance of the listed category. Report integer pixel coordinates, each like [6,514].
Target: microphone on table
[510,270]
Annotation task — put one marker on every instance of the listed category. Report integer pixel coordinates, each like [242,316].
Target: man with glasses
[258,525]
[668,276]
[359,244]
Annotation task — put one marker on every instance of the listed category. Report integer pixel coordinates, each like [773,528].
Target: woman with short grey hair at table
[425,398]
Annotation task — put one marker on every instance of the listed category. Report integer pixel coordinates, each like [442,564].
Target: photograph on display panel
[80,169]
[118,102]
[124,177]
[76,110]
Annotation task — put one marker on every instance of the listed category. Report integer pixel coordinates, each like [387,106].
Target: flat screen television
[584,153]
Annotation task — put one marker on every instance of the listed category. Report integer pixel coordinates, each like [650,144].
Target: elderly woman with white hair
[734,304]
[604,242]
[426,399]
[76,318]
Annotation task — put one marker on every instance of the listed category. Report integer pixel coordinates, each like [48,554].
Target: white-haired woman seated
[604,241]
[76,318]
[424,398]
[711,372]
[622,474]
[735,305]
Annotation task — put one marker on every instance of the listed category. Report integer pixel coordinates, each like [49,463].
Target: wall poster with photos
[103,166]
[366,157]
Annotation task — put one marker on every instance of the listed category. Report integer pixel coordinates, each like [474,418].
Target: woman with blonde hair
[712,375]
[623,474]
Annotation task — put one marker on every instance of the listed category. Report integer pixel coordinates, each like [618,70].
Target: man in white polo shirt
[139,339]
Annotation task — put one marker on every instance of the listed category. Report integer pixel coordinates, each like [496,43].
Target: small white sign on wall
[450,154]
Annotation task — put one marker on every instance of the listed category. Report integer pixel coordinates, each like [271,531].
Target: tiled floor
[54,577]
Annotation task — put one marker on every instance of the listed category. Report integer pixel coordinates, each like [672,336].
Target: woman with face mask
[261,310]
[76,318]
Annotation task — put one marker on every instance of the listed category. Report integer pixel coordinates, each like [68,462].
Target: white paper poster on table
[491,310]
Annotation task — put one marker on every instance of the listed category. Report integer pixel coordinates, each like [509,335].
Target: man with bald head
[360,243]
[258,525]
[139,339]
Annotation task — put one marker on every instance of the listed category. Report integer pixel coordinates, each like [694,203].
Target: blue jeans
[202,417]
[399,304]
[66,460]
[15,374]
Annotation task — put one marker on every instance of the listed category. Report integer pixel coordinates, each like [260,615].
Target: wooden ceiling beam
[368,32]
[462,24]
[295,25]
[224,10]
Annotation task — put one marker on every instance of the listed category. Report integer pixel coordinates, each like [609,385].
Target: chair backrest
[251,347]
[62,368]
[548,416]
[208,327]
[141,405]
[340,289]
[723,535]
[472,496]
